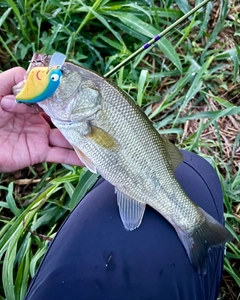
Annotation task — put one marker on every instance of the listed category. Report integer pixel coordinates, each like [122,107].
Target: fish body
[114,138]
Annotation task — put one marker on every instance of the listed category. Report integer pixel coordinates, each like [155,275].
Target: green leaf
[85,183]
[22,278]
[110,42]
[36,259]
[11,201]
[142,85]
[4,16]
[203,28]
[233,55]
[4,204]
[183,5]
[195,86]
[7,272]
[217,28]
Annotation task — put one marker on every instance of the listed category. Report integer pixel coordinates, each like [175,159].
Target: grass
[188,85]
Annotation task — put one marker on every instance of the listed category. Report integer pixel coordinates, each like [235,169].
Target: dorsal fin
[176,157]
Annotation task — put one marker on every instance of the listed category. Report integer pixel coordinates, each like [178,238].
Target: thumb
[9,104]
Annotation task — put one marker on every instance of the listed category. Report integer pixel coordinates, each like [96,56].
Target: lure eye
[54,77]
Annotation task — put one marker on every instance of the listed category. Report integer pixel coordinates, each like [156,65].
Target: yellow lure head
[41,84]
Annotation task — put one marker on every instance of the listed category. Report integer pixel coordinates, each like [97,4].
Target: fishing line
[156,38]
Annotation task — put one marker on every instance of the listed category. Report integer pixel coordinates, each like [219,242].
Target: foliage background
[188,85]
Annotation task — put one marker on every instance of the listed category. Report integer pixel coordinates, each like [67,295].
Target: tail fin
[210,233]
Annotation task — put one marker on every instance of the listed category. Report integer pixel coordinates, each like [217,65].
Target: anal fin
[131,211]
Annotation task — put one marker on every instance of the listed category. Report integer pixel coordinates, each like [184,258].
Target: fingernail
[8,102]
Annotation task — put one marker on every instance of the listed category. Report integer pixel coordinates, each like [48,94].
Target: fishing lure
[42,82]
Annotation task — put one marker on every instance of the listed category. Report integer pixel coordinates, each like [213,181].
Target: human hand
[26,136]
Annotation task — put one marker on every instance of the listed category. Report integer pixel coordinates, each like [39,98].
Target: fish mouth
[38,60]
[64,105]
[44,60]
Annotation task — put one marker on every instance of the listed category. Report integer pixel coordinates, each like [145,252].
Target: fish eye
[54,77]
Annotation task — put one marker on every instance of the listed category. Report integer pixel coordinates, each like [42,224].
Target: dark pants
[94,257]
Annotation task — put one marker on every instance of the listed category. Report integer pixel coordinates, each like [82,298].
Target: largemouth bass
[113,137]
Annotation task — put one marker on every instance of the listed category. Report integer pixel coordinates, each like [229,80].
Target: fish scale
[124,119]
[113,137]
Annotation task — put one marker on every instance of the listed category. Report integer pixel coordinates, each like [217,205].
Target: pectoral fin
[87,162]
[131,211]
[102,138]
[175,155]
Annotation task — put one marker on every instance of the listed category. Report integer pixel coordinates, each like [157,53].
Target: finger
[10,78]
[63,156]
[8,103]
[56,139]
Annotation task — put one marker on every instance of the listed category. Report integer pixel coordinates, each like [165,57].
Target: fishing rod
[156,38]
